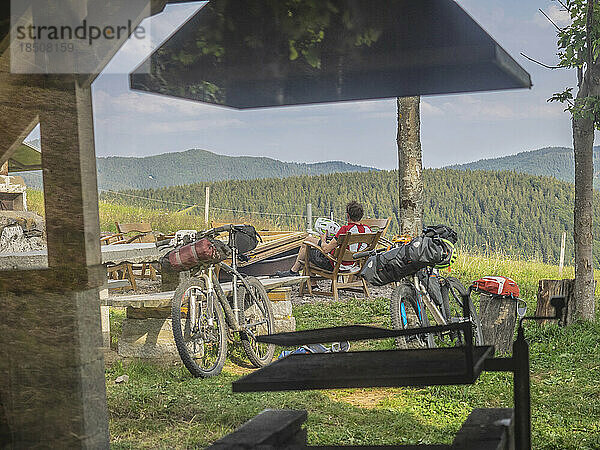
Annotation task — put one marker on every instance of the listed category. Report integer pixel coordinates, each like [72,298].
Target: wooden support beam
[52,315]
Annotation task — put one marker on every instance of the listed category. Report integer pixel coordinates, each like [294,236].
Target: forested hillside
[193,166]
[554,162]
[498,211]
[171,169]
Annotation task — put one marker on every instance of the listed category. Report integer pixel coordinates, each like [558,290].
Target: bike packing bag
[245,238]
[441,231]
[432,283]
[498,286]
[203,251]
[400,262]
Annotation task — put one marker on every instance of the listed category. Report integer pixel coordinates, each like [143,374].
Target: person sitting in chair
[354,213]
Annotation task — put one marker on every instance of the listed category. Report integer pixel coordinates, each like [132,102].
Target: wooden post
[206,205]
[561,262]
[309,216]
[551,288]
[498,316]
[58,306]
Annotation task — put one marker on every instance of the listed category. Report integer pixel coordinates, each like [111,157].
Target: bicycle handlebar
[211,231]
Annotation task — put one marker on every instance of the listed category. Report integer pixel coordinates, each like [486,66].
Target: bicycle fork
[210,299]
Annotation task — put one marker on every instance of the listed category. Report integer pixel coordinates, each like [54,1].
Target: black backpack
[397,263]
[245,238]
[441,231]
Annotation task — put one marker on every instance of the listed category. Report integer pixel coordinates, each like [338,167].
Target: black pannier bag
[441,231]
[434,288]
[245,238]
[399,262]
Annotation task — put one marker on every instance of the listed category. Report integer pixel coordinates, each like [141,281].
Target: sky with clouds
[455,128]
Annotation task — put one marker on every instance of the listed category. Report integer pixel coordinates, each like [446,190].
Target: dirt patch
[361,398]
[234,369]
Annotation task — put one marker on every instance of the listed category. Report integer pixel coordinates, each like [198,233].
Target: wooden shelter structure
[53,388]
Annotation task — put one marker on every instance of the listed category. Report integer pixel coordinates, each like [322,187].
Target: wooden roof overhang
[288,53]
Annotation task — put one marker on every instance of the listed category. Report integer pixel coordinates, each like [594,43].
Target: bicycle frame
[423,295]
[213,287]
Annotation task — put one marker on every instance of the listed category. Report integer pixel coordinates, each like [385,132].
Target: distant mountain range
[557,162]
[195,166]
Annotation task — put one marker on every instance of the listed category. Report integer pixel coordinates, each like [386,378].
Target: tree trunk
[410,166]
[583,142]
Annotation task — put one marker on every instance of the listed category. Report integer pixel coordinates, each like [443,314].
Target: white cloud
[471,108]
[152,106]
[558,15]
[428,109]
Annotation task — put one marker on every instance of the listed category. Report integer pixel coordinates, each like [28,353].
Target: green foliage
[503,211]
[164,407]
[579,48]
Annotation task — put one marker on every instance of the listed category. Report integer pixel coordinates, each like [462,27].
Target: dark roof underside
[284,52]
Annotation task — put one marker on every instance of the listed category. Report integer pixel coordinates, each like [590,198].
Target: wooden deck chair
[139,232]
[341,279]
[377,224]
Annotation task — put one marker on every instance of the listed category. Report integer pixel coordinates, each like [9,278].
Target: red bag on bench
[204,251]
[500,286]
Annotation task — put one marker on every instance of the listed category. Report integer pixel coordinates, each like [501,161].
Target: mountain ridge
[556,162]
[197,166]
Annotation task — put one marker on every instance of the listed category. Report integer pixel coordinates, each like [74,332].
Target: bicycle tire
[404,311]
[456,290]
[193,348]
[251,312]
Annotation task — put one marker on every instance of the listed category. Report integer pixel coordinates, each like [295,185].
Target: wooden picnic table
[111,254]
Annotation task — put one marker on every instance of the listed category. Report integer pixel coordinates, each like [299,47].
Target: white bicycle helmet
[326,226]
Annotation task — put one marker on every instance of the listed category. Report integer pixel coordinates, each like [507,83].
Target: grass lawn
[163,406]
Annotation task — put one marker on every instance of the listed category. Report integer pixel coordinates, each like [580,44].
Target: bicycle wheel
[453,303]
[202,344]
[407,312]
[256,318]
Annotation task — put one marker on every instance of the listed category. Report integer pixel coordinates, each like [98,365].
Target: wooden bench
[163,299]
[272,429]
[156,308]
[485,428]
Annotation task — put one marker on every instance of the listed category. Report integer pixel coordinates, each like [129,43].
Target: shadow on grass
[164,407]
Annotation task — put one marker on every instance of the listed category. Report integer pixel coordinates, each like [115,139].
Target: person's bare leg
[302,253]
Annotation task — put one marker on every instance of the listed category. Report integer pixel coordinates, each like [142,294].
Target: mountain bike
[415,302]
[425,296]
[204,319]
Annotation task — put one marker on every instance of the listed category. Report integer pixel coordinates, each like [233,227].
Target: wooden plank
[272,428]
[270,253]
[487,428]
[347,333]
[386,368]
[299,236]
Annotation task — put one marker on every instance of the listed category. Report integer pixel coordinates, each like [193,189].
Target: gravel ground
[149,287]
[325,285]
